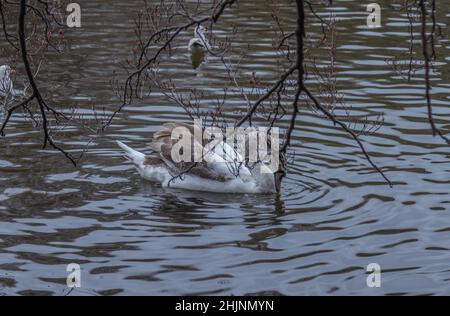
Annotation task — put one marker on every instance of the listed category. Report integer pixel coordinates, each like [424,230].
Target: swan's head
[200,30]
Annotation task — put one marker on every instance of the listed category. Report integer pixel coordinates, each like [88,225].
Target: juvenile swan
[213,174]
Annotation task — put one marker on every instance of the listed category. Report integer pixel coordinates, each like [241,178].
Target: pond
[335,215]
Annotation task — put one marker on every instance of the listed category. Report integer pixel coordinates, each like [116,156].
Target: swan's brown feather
[163,143]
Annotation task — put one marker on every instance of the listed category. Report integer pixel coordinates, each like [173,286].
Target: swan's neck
[263,177]
[200,35]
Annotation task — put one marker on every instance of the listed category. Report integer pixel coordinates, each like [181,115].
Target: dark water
[335,217]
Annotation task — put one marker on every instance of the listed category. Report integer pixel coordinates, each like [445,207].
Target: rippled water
[335,215]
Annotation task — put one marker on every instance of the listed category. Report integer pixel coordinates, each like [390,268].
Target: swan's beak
[278,179]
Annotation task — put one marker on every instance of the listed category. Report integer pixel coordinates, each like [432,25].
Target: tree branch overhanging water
[158,39]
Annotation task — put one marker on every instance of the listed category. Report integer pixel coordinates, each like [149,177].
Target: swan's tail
[136,157]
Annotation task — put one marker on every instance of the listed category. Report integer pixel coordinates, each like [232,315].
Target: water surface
[335,215]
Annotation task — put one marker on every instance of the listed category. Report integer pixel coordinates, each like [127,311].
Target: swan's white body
[199,43]
[214,175]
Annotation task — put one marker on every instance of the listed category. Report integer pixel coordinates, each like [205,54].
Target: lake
[335,215]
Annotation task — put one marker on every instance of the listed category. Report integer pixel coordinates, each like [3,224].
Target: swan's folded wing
[163,143]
